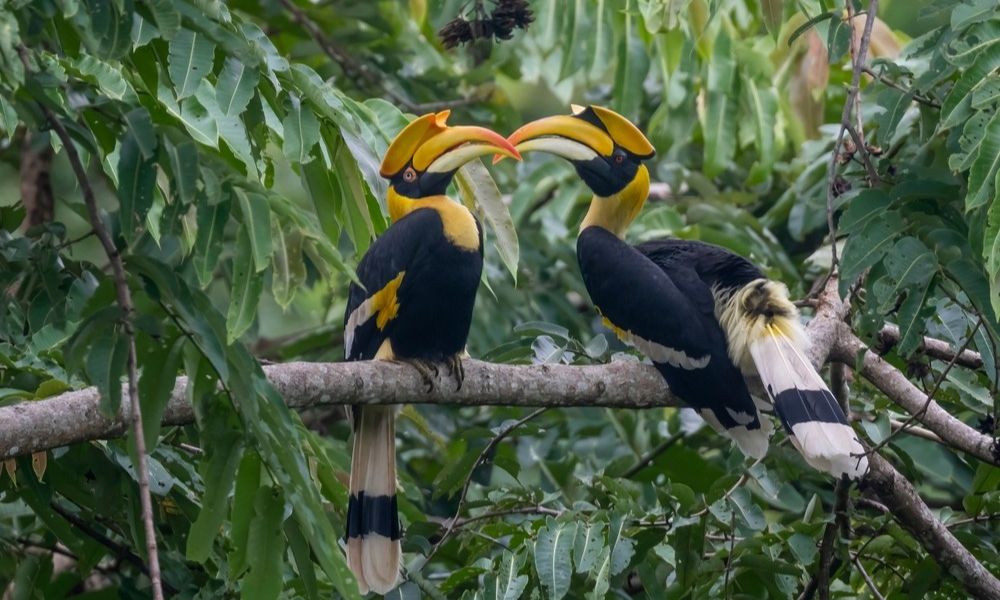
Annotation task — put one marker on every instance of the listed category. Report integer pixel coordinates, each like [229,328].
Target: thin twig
[930,395]
[526,510]
[890,335]
[739,482]
[468,479]
[867,578]
[124,297]
[977,519]
[898,86]
[119,550]
[650,456]
[357,68]
[858,60]
[729,559]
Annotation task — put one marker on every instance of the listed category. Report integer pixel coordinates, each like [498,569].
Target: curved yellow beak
[455,146]
[429,144]
[563,135]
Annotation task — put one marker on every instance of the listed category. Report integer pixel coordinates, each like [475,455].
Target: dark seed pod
[455,32]
[515,12]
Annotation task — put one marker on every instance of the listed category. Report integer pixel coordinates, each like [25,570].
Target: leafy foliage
[235,154]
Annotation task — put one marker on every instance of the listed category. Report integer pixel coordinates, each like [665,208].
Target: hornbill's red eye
[619,159]
[409,175]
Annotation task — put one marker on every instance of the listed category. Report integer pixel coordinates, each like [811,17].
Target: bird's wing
[372,308]
[668,314]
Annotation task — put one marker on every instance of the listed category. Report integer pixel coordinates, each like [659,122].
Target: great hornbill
[414,305]
[706,317]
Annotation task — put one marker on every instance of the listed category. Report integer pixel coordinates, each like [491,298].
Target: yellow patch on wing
[618,331]
[385,302]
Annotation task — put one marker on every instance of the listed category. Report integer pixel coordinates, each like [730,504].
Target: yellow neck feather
[459,225]
[616,212]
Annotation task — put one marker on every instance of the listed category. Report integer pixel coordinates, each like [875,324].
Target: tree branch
[847,348]
[75,417]
[889,336]
[913,515]
[895,491]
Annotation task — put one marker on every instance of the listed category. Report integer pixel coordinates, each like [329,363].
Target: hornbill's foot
[427,369]
[456,368]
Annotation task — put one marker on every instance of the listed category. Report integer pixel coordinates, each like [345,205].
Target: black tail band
[803,406]
[372,514]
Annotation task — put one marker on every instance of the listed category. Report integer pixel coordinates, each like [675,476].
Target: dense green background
[236,159]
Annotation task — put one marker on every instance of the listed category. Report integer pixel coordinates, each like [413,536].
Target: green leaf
[156,384]
[622,548]
[190,61]
[168,19]
[184,164]
[991,250]
[601,575]
[301,132]
[303,560]
[553,553]
[237,85]
[971,79]
[507,583]
[105,365]
[812,22]
[689,543]
[140,125]
[247,284]
[895,104]
[8,117]
[912,316]
[838,40]
[983,175]
[265,547]
[772,11]
[257,220]
[109,35]
[480,193]
[867,247]
[588,545]
[108,78]
[863,208]
[136,178]
[719,121]
[803,547]
[247,484]
[747,510]
[632,65]
[289,269]
[219,469]
[208,244]
[763,106]
[910,264]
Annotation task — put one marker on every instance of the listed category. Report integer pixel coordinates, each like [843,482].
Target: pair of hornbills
[706,317]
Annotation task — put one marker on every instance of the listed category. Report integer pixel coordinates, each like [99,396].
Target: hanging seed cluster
[505,17]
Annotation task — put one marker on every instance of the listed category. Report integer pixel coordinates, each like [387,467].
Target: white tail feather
[374,559]
[751,442]
[826,446]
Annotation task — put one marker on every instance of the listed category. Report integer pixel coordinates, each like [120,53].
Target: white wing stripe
[358,318]
[664,354]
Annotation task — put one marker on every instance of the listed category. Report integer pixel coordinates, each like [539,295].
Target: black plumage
[667,303]
[435,297]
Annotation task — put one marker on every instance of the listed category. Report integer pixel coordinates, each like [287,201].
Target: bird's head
[421,161]
[607,151]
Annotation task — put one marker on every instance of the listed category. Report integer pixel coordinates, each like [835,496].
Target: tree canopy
[186,187]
